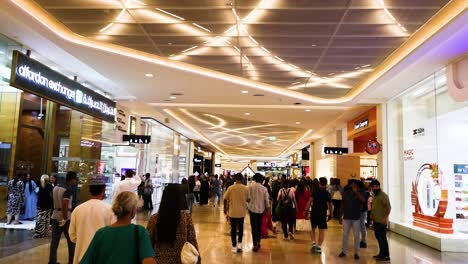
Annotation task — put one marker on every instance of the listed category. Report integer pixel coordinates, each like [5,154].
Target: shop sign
[218,165]
[197,160]
[121,120]
[34,77]
[373,147]
[137,139]
[460,168]
[418,132]
[294,166]
[361,124]
[133,125]
[335,150]
[408,154]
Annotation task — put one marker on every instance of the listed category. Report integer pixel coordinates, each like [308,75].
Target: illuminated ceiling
[322,48]
[240,137]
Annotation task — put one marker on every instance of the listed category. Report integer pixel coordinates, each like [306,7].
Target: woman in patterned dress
[44,208]
[171,227]
[15,198]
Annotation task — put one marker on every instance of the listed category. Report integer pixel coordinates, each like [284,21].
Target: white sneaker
[291,236]
[234,250]
[239,247]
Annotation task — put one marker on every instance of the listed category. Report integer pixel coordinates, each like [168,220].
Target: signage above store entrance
[361,124]
[137,139]
[34,77]
[335,151]
[218,165]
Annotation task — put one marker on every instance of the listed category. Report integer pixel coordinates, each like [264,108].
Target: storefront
[50,123]
[272,168]
[362,132]
[168,153]
[427,176]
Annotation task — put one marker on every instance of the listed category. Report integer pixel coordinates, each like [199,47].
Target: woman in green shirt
[107,247]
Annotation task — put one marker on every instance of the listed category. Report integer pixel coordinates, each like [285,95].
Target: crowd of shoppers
[91,227]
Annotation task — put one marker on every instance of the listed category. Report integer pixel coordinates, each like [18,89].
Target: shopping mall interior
[355,90]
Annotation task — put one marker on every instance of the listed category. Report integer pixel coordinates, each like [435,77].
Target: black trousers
[256,225]
[380,231]
[287,224]
[336,208]
[237,230]
[147,201]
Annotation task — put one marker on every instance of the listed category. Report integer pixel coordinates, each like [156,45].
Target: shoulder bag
[189,254]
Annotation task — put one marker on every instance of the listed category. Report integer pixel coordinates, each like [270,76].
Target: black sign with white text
[218,165]
[335,151]
[137,139]
[34,77]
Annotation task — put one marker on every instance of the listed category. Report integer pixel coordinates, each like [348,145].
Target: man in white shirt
[90,216]
[259,203]
[130,184]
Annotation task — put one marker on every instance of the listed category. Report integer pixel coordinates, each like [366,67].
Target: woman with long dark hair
[204,190]
[30,203]
[44,208]
[171,227]
[302,197]
[15,198]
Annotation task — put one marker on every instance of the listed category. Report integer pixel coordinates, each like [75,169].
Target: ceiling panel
[280,42]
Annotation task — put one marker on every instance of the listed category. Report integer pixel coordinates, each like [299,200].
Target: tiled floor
[214,241]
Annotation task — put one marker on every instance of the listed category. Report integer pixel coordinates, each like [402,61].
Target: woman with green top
[106,246]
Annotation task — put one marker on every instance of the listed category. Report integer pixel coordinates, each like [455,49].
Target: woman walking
[171,227]
[15,199]
[148,193]
[204,190]
[302,196]
[44,208]
[30,204]
[121,242]
[287,213]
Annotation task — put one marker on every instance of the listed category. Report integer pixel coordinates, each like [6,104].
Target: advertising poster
[460,172]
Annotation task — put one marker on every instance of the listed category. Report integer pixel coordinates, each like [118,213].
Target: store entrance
[31,132]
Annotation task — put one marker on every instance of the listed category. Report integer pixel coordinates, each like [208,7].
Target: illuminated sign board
[361,124]
[335,151]
[137,139]
[34,77]
[218,165]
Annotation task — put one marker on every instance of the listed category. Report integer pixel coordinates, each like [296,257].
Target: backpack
[285,205]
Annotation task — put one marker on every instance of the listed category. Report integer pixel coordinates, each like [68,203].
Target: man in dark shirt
[320,200]
[351,211]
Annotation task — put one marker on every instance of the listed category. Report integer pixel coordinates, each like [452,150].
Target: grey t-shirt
[60,193]
[351,206]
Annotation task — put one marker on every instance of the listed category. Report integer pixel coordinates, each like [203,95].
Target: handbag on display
[189,253]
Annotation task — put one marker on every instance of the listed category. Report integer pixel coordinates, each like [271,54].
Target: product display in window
[461,190]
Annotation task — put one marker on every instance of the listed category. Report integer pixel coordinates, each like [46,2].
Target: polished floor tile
[215,247]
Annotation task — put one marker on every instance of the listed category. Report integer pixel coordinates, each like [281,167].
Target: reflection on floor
[214,241]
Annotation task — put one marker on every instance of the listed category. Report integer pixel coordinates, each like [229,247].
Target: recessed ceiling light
[245,92]
[258,95]
[297,103]
[177,94]
[246,114]
[149,75]
[169,43]
[314,45]
[298,123]
[172,97]
[307,110]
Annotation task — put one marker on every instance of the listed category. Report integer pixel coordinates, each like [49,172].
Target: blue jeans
[347,225]
[190,199]
[362,223]
[56,235]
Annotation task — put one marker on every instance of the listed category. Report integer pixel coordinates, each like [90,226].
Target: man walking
[259,204]
[60,220]
[379,213]
[235,207]
[351,211]
[88,217]
[216,191]
[129,184]
[320,201]
[362,222]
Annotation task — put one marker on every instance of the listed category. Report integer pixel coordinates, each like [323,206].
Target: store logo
[418,132]
[361,124]
[460,168]
[373,147]
[79,96]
